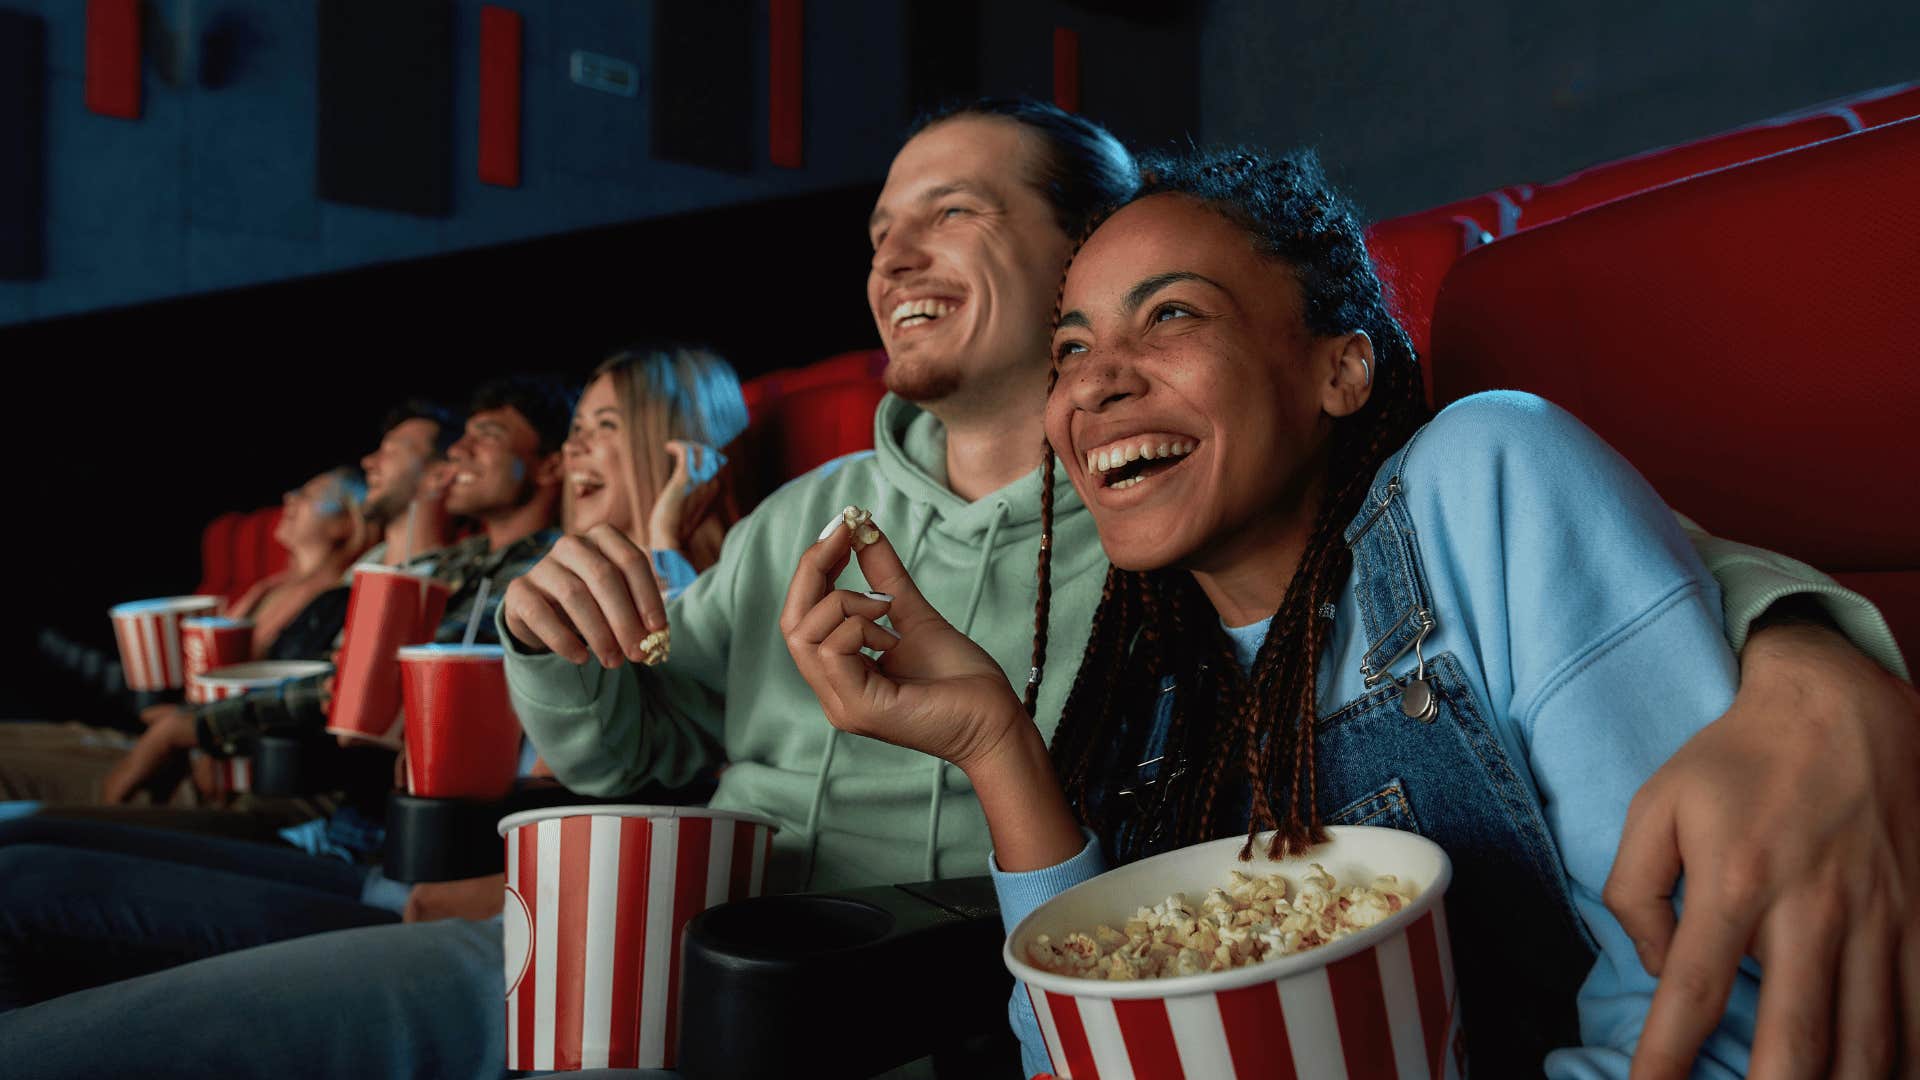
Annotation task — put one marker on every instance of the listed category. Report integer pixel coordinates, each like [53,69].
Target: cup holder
[783,927]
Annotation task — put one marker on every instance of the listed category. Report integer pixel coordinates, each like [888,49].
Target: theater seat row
[1745,337]
[800,418]
[1414,251]
[804,416]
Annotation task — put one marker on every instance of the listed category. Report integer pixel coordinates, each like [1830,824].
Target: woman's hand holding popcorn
[932,689]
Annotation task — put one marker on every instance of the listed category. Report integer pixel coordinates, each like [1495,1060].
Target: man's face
[493,464]
[393,470]
[966,259]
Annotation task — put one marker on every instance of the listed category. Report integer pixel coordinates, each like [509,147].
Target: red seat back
[860,365]
[216,556]
[1886,106]
[1745,338]
[255,554]
[1413,255]
[1615,179]
[802,430]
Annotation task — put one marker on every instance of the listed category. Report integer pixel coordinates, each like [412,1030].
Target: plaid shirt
[466,564]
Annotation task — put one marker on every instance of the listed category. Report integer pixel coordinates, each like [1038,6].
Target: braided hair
[1243,734]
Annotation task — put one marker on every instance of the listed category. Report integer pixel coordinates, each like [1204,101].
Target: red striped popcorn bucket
[148,632]
[230,776]
[597,899]
[234,775]
[211,641]
[1377,1004]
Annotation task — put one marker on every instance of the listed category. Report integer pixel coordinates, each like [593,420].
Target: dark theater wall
[1414,103]
[213,184]
[238,333]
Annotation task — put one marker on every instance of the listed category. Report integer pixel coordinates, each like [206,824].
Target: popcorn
[655,647]
[860,523]
[1248,921]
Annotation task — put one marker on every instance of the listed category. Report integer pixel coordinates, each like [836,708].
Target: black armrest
[863,980]
[450,839]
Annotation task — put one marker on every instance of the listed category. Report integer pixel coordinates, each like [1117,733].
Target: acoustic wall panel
[786,33]
[943,53]
[1066,68]
[386,88]
[23,53]
[113,58]
[703,80]
[500,45]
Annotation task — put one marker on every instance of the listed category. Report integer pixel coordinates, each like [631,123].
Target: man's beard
[921,382]
[387,507]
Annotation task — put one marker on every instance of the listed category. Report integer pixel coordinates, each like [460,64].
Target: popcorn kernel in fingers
[655,647]
[860,524]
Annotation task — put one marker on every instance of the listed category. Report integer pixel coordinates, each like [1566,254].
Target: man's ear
[551,471]
[1349,366]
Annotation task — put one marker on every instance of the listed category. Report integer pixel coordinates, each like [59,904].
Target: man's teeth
[920,311]
[1113,457]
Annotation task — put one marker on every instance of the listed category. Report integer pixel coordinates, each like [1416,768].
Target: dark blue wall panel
[23,46]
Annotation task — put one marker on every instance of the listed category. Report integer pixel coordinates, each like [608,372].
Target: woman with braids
[1324,607]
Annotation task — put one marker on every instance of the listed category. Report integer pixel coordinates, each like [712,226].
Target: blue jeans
[84,903]
[424,999]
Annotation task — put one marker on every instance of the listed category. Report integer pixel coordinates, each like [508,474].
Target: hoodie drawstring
[938,793]
[918,531]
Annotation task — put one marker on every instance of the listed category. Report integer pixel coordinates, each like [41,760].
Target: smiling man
[969,234]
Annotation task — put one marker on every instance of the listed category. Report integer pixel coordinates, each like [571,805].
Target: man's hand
[1795,820]
[468,898]
[592,596]
[166,738]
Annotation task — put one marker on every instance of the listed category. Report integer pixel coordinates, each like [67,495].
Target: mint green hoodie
[851,811]
[854,811]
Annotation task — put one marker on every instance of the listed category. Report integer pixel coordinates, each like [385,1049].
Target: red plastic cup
[234,775]
[463,739]
[213,641]
[389,607]
[148,632]
[597,899]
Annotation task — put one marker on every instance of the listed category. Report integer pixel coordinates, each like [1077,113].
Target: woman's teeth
[1120,455]
[917,312]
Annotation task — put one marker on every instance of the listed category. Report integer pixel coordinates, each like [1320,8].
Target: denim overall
[1520,950]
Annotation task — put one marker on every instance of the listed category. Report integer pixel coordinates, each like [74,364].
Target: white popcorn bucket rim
[258,674]
[633,810]
[1421,856]
[162,605]
[213,622]
[452,651]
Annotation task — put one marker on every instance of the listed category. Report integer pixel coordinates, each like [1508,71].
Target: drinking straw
[479,605]
[406,552]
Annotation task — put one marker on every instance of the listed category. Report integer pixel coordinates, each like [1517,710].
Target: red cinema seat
[858,366]
[1745,338]
[1886,106]
[216,556]
[802,430]
[255,554]
[1615,179]
[1412,255]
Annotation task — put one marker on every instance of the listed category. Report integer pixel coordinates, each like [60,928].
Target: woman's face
[1192,406]
[599,456]
[314,514]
